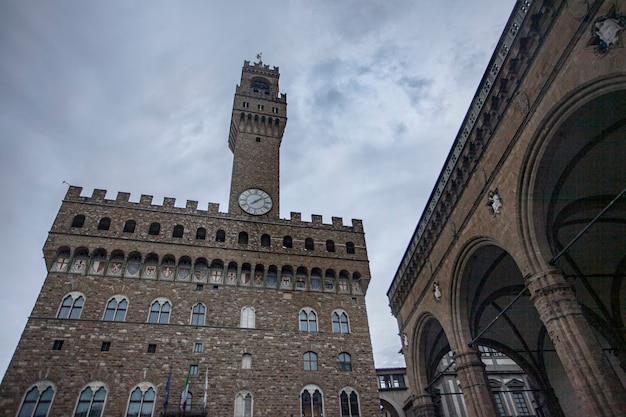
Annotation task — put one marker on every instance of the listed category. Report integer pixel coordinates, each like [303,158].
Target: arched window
[116,309]
[160,312]
[309,244]
[247,318]
[104,223]
[308,320]
[201,233]
[287,242]
[246,361]
[243,238]
[129,226]
[497,396]
[141,402]
[345,362]
[330,246]
[91,402]
[78,221]
[349,403]
[243,404]
[71,306]
[220,236]
[37,400]
[185,401]
[309,360]
[340,322]
[350,247]
[178,231]
[197,315]
[265,240]
[155,229]
[311,402]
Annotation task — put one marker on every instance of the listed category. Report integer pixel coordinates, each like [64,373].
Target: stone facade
[521,245]
[135,290]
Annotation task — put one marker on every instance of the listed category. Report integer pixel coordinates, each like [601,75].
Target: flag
[206,386]
[183,396]
[167,388]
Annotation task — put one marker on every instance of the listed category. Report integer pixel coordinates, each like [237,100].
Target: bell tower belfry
[256,130]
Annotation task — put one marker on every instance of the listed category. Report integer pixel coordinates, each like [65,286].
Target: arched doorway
[574,223]
[495,312]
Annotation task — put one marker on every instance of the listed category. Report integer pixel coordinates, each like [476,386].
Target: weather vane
[259,56]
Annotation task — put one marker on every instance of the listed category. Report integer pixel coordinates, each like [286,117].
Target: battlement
[260,68]
[122,200]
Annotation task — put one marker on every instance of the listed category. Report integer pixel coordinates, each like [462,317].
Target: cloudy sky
[136,96]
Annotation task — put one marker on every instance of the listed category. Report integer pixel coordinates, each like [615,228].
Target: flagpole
[167,390]
[206,388]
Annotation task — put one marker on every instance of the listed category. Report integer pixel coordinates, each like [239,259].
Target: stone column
[595,383]
[474,384]
[423,406]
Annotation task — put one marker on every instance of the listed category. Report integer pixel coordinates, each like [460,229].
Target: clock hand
[257,200]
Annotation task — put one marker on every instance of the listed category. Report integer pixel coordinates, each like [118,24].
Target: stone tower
[256,131]
[140,297]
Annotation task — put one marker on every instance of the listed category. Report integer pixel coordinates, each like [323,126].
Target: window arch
[287,242]
[91,401]
[104,223]
[311,401]
[243,404]
[160,311]
[350,247]
[309,244]
[129,226]
[78,221]
[243,238]
[141,401]
[266,241]
[71,306]
[308,320]
[345,362]
[37,401]
[349,402]
[248,318]
[197,315]
[200,233]
[246,361]
[220,236]
[330,246]
[340,322]
[309,360]
[155,228]
[116,309]
[178,231]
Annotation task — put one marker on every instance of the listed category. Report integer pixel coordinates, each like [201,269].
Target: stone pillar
[474,384]
[423,406]
[595,383]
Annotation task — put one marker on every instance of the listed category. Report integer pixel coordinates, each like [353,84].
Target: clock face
[255,201]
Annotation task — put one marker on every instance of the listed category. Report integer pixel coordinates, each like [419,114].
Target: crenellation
[192,205]
[169,202]
[122,197]
[316,219]
[145,200]
[98,195]
[73,193]
[296,217]
[337,222]
[214,208]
